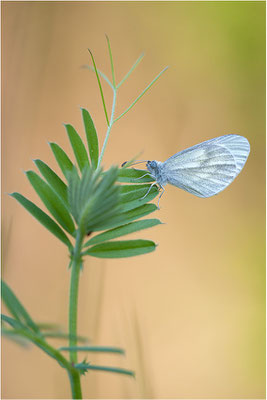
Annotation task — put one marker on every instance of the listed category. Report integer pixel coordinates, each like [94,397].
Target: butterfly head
[152,167]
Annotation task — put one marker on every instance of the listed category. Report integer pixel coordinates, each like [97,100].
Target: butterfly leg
[154,183]
[163,190]
[140,177]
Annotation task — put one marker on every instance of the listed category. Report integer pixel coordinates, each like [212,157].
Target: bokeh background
[191,316]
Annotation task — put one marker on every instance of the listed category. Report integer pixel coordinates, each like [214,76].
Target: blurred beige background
[191,316]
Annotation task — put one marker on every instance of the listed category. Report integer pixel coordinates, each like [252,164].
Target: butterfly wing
[237,145]
[209,167]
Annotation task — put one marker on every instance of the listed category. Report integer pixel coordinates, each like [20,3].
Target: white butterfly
[204,169]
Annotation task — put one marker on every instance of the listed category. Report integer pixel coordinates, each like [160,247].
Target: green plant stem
[109,126]
[75,384]
[74,375]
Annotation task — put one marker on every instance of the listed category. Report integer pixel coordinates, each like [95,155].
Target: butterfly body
[204,169]
[157,171]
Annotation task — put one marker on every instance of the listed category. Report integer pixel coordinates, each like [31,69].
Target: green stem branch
[73,309]
[131,70]
[109,127]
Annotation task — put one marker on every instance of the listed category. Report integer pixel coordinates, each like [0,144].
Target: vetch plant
[87,209]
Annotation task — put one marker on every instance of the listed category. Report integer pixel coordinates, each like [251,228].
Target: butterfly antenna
[138,162]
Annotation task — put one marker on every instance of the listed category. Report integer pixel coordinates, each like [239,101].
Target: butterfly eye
[153,164]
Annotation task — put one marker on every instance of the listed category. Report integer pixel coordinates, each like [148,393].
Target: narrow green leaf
[14,323]
[22,331]
[42,217]
[15,336]
[120,249]
[73,192]
[111,62]
[85,196]
[62,335]
[122,231]
[47,326]
[62,159]
[38,340]
[110,369]
[100,349]
[130,175]
[52,202]
[77,146]
[126,217]
[93,198]
[16,308]
[100,86]
[54,180]
[91,136]
[101,200]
